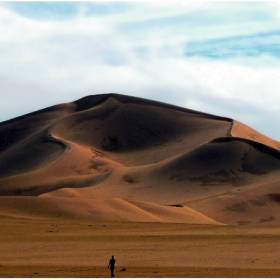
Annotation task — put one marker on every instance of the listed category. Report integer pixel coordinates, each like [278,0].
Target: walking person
[111,265]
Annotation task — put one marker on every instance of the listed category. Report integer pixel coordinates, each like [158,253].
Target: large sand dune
[120,158]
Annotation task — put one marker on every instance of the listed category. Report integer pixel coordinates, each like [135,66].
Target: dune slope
[122,155]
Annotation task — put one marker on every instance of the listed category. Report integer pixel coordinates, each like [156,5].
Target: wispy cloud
[253,45]
[221,58]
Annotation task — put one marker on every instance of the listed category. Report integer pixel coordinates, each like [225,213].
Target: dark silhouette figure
[111,265]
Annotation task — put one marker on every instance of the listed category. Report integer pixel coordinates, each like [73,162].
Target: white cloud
[46,62]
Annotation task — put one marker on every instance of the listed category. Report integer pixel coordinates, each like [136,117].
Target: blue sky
[217,57]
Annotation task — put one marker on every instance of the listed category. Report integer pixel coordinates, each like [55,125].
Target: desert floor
[63,248]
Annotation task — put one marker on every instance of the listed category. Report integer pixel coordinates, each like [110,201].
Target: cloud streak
[214,57]
[253,45]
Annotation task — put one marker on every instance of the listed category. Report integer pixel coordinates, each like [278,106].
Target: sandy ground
[169,191]
[64,248]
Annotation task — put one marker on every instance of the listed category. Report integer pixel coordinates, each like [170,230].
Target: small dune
[98,210]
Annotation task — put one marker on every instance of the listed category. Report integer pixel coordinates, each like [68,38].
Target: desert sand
[67,248]
[170,191]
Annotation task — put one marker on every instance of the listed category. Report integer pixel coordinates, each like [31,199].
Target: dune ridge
[118,157]
[243,131]
[99,210]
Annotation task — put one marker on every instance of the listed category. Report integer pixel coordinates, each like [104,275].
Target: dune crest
[244,131]
[103,154]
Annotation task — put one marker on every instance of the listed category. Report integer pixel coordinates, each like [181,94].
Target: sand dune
[244,131]
[99,210]
[116,157]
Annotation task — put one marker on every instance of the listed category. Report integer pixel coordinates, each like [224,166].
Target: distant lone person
[111,265]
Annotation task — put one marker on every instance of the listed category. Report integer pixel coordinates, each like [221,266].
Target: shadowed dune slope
[26,143]
[222,161]
[99,156]
[122,126]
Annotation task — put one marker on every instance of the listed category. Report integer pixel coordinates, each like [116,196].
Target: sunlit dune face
[115,157]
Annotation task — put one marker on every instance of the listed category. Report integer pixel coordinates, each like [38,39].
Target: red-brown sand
[117,159]
[53,247]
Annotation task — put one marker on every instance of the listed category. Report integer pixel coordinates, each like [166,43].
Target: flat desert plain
[61,248]
[170,192]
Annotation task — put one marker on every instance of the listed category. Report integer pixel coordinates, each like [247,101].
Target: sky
[221,58]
